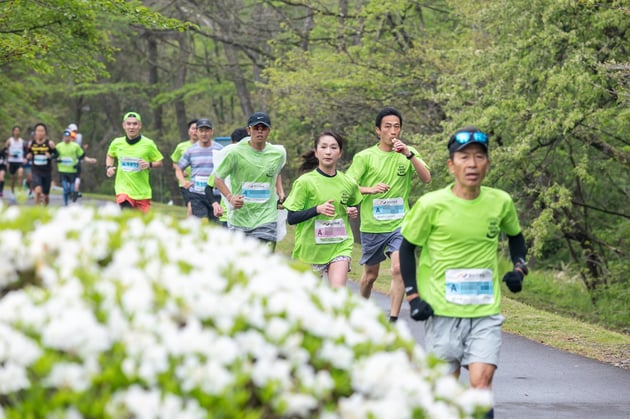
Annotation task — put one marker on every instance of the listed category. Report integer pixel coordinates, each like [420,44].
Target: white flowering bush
[122,315]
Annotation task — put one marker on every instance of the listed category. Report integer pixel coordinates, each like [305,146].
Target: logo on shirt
[270,171]
[345,196]
[402,170]
[493,228]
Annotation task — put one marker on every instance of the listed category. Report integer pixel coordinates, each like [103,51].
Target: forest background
[548,80]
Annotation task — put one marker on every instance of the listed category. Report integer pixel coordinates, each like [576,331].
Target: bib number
[469,286]
[67,161]
[388,209]
[130,164]
[256,192]
[40,160]
[199,185]
[330,231]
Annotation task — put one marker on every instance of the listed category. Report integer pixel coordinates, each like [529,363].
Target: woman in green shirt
[321,203]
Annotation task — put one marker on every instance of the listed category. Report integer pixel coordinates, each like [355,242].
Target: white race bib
[256,192]
[67,160]
[330,231]
[199,185]
[40,160]
[130,164]
[388,209]
[469,286]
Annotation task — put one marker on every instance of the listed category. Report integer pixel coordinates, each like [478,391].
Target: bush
[121,315]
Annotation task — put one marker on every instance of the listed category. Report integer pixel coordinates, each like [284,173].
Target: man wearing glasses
[253,166]
[457,287]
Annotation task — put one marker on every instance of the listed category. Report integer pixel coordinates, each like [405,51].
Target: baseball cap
[258,118]
[464,137]
[72,127]
[132,115]
[204,122]
[67,133]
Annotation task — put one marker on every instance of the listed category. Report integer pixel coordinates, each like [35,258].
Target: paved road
[536,381]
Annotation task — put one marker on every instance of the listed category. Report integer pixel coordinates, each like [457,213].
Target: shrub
[110,314]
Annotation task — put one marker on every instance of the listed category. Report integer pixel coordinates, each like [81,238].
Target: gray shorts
[264,232]
[462,341]
[375,247]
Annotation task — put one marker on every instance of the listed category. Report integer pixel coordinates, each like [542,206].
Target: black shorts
[185,194]
[43,180]
[3,167]
[200,206]
[78,166]
[14,167]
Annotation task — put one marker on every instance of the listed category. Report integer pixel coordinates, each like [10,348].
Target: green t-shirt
[130,180]
[383,212]
[321,239]
[178,153]
[69,154]
[253,174]
[458,269]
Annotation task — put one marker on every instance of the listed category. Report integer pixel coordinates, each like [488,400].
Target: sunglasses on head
[465,137]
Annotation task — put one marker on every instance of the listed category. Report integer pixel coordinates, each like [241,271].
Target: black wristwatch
[410,156]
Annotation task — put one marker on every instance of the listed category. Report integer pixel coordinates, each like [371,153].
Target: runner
[134,155]
[204,203]
[77,137]
[254,168]
[384,172]
[3,169]
[41,151]
[457,289]
[321,203]
[178,153]
[15,146]
[70,155]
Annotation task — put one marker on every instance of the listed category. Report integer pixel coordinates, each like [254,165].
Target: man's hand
[420,309]
[514,280]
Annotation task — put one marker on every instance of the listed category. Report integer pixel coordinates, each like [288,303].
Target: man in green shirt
[135,155]
[457,288]
[178,153]
[69,155]
[384,172]
[253,166]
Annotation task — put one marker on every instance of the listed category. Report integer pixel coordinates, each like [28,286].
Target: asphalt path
[537,381]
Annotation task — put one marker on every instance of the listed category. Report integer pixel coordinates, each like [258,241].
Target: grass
[546,313]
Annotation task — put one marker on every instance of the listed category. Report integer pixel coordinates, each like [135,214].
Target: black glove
[420,309]
[514,280]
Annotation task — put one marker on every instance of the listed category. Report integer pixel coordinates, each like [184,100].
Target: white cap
[73,127]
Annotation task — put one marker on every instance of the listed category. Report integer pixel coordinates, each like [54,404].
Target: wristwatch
[410,156]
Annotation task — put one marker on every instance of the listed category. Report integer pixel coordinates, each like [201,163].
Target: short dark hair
[192,121]
[40,124]
[386,111]
[238,134]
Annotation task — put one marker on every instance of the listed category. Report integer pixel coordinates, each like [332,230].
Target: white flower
[68,375]
[12,377]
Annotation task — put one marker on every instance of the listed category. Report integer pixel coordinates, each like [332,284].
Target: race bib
[199,185]
[388,209]
[256,192]
[330,231]
[469,286]
[130,164]
[67,160]
[40,160]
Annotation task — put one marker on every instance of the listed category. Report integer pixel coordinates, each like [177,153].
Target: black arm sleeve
[210,196]
[295,217]
[54,154]
[408,266]
[518,250]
